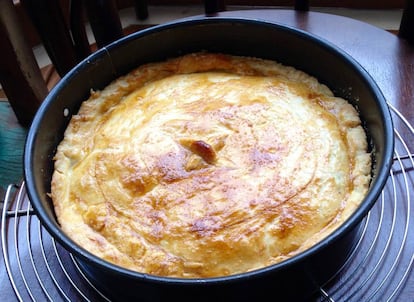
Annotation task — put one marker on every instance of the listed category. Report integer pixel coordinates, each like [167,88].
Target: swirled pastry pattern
[208,165]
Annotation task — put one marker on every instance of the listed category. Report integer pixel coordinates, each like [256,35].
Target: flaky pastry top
[209,165]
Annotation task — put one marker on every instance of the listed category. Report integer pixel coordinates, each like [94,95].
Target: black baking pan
[295,279]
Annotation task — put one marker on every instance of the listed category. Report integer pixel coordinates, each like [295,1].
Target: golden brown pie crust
[208,165]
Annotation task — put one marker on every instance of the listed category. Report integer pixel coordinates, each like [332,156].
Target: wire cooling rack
[380,267]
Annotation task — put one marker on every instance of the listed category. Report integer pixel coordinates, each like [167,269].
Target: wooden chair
[65,40]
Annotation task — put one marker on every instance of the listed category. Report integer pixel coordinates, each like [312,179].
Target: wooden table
[386,57]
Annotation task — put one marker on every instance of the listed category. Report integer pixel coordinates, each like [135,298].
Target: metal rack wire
[379,269]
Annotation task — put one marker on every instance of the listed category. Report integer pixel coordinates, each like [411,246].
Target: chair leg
[214,6]
[141,9]
[77,27]
[406,30]
[20,75]
[48,18]
[302,5]
[105,21]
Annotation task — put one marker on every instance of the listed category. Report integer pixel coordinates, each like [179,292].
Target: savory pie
[209,165]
